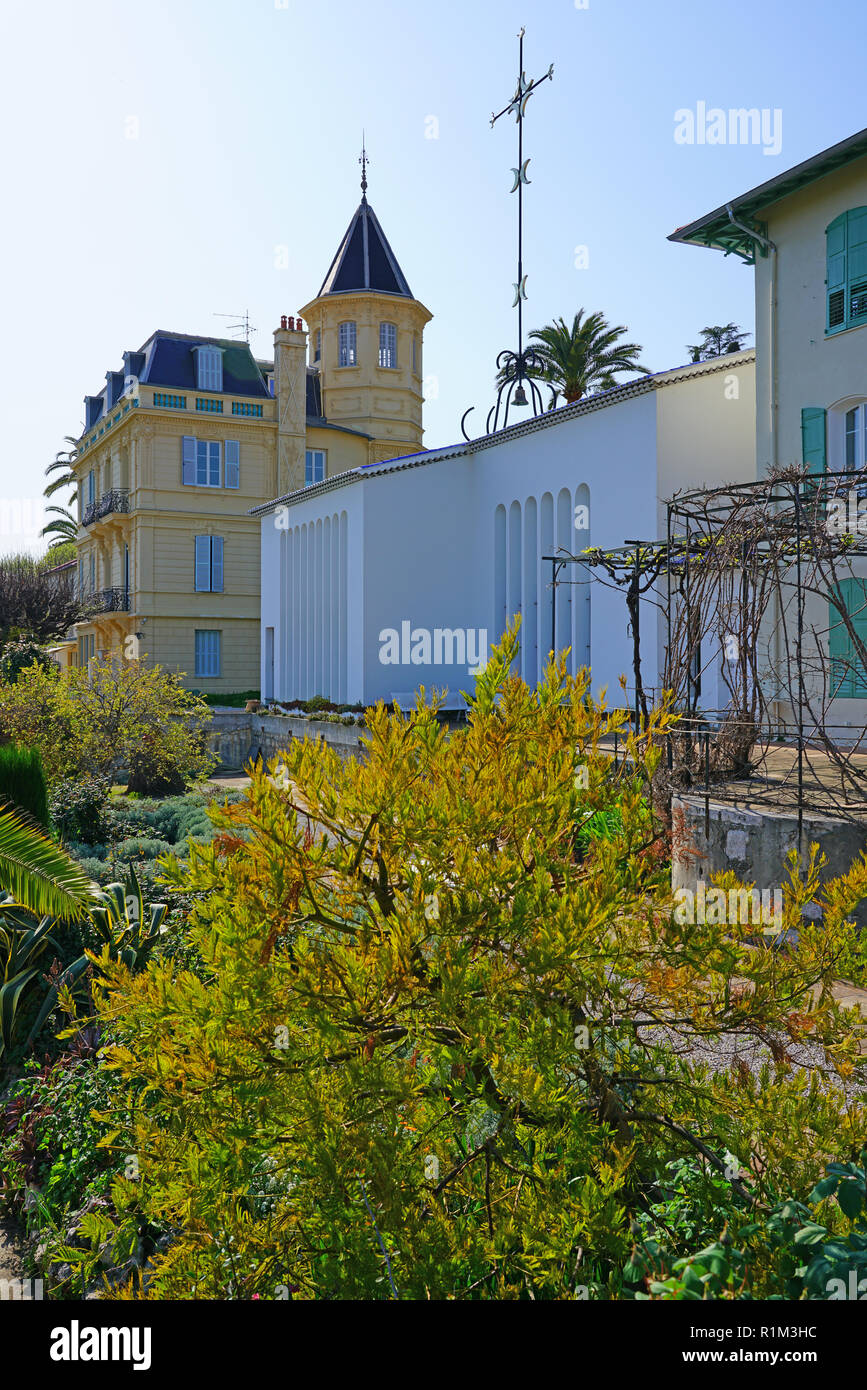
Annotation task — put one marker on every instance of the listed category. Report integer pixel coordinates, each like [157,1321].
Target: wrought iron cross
[517,365]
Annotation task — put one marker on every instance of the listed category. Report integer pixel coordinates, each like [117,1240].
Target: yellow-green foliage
[378,1085]
[89,720]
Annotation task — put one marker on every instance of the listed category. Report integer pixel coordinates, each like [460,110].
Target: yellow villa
[195,431]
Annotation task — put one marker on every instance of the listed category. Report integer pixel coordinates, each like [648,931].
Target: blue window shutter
[813,438]
[217,564]
[233,463]
[189,461]
[203,564]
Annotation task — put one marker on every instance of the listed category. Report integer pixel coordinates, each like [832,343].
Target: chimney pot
[282,320]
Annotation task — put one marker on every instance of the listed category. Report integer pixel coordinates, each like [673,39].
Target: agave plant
[128,927]
[22,946]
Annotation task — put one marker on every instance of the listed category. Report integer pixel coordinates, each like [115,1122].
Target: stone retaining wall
[236,736]
[754,844]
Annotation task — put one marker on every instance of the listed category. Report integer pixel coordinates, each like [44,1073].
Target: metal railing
[108,601]
[115,501]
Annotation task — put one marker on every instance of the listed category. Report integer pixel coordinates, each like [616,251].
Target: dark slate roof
[171,362]
[168,359]
[364,259]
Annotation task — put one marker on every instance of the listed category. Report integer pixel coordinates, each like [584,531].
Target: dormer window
[387,345]
[209,368]
[347,355]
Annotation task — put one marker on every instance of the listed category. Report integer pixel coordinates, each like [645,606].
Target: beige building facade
[194,432]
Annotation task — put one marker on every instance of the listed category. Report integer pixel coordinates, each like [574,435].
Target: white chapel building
[402,574]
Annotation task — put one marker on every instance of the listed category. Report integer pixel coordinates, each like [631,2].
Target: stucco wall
[812,369]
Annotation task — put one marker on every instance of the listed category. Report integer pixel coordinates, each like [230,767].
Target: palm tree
[716,340]
[63,464]
[40,876]
[64,528]
[583,359]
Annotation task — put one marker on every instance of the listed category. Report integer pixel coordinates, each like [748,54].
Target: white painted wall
[457,543]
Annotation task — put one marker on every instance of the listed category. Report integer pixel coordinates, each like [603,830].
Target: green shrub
[78,807]
[92,722]
[235,699]
[17,656]
[22,781]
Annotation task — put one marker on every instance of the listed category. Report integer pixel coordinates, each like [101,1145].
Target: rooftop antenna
[244,326]
[363,161]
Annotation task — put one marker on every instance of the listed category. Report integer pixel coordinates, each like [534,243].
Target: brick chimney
[290,392]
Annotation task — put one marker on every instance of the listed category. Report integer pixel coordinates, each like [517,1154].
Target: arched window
[387,345]
[846,276]
[347,355]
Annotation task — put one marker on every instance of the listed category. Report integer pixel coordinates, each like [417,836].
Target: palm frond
[39,875]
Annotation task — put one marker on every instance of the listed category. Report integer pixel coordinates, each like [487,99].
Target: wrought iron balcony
[108,601]
[115,501]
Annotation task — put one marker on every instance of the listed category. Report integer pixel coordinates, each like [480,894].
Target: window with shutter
[209,369]
[203,564]
[233,463]
[848,676]
[846,273]
[207,463]
[813,438]
[208,566]
[188,456]
[208,653]
[217,564]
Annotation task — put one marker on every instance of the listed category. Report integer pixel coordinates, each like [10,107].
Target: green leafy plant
[789,1254]
[79,809]
[440,1052]
[107,717]
[22,781]
[19,655]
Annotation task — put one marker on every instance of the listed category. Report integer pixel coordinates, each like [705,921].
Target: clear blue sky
[249,118]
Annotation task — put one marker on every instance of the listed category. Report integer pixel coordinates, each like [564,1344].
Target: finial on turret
[363,161]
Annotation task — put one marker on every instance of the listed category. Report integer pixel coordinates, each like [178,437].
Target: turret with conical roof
[366,337]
